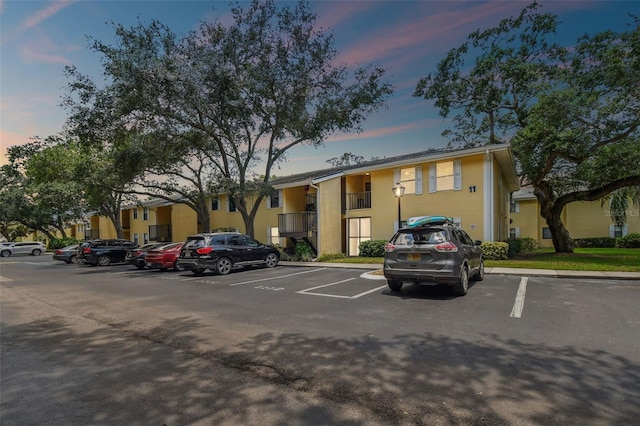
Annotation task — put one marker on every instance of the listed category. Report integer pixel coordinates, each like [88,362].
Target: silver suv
[34,248]
[433,250]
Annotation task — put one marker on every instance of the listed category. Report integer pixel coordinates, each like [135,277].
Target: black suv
[104,252]
[221,251]
[433,250]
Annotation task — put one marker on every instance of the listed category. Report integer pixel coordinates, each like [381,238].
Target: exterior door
[359,229]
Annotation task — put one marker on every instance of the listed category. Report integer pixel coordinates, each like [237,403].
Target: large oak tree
[572,114]
[246,92]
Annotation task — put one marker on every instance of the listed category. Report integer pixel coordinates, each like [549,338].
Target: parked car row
[219,252]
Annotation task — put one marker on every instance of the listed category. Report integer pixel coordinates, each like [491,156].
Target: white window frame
[229,202]
[136,238]
[514,207]
[412,186]
[269,201]
[624,230]
[359,237]
[217,201]
[135,213]
[146,238]
[273,236]
[435,180]
[145,213]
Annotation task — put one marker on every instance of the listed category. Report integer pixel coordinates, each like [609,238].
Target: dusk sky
[407,38]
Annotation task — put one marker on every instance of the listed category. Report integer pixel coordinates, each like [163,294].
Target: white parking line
[276,278]
[518,305]
[337,296]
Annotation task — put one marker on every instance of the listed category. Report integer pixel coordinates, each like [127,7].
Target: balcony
[358,200]
[91,234]
[297,225]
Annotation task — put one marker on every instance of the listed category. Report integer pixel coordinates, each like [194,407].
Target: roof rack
[416,221]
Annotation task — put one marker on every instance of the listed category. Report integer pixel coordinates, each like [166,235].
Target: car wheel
[223,266]
[5,253]
[271,260]
[177,267]
[198,271]
[36,252]
[140,265]
[463,284]
[479,275]
[74,259]
[395,285]
[104,260]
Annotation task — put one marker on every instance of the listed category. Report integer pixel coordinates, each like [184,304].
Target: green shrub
[331,256]
[521,245]
[372,248]
[495,250]
[304,252]
[599,242]
[57,243]
[629,241]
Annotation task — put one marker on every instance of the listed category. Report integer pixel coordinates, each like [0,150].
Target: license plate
[414,257]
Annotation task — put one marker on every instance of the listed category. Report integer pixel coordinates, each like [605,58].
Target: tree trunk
[551,211]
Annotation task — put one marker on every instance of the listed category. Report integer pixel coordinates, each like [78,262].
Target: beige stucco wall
[184,222]
[329,213]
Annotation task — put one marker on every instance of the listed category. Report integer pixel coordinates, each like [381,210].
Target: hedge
[629,241]
[372,248]
[495,250]
[521,245]
[598,242]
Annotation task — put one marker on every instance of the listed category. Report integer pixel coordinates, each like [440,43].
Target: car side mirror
[477,243]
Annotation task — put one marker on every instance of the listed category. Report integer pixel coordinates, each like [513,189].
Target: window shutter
[433,180]
[625,230]
[457,175]
[269,235]
[268,202]
[517,232]
[612,230]
[396,176]
[517,207]
[418,180]
[280,198]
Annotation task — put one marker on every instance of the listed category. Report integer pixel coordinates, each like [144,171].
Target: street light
[398,191]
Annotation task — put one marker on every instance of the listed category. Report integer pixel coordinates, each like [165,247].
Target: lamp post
[398,191]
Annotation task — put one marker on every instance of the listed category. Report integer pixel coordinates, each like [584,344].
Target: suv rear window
[420,236]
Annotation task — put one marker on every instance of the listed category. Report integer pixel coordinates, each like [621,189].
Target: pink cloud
[376,133]
[46,13]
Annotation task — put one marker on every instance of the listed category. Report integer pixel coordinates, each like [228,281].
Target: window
[136,238]
[146,238]
[616,231]
[359,231]
[445,176]
[135,213]
[514,207]
[514,233]
[215,203]
[546,233]
[273,236]
[231,205]
[410,178]
[275,201]
[145,213]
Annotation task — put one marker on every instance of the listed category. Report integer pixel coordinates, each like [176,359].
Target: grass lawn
[606,259]
[610,259]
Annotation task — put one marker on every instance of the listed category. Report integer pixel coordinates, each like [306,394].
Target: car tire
[140,266]
[104,260]
[395,285]
[271,261]
[479,275]
[5,253]
[198,272]
[74,259]
[177,267]
[223,266]
[36,252]
[461,287]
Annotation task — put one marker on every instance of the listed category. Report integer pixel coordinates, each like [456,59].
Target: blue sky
[407,38]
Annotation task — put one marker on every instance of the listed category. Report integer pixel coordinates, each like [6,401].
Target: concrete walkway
[375,271]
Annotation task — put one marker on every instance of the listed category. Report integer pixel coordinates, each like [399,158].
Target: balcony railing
[160,233]
[358,200]
[310,200]
[91,234]
[297,225]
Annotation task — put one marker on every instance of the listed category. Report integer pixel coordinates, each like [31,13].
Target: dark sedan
[67,254]
[137,256]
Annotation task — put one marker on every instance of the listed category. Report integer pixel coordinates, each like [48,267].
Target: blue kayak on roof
[413,222]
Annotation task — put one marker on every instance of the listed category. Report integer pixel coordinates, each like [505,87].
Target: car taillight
[446,247]
[389,247]
[58,251]
[86,250]
[204,250]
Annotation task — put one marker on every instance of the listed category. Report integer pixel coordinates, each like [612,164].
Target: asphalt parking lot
[514,350]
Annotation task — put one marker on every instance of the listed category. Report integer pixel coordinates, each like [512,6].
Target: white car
[34,248]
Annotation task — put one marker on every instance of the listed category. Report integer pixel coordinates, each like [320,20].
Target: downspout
[313,185]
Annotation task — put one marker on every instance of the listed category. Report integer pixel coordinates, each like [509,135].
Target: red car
[164,257]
